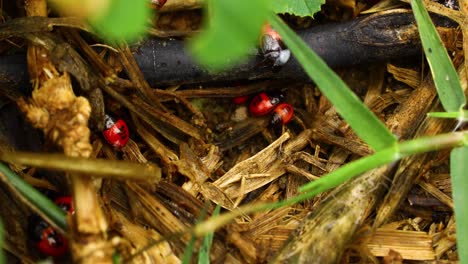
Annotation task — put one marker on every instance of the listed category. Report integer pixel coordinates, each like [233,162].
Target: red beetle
[264,103]
[116,132]
[283,114]
[46,238]
[49,241]
[66,203]
[240,99]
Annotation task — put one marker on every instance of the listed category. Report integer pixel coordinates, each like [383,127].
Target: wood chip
[412,245]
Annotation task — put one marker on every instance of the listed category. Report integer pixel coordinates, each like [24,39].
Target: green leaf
[117,258]
[458,169]
[124,20]
[44,204]
[232,31]
[445,77]
[460,115]
[204,255]
[366,125]
[188,251]
[302,8]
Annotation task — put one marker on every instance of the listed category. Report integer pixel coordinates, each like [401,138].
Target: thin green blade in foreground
[445,77]
[379,158]
[349,171]
[188,251]
[452,115]
[366,125]
[204,255]
[44,204]
[232,32]
[458,171]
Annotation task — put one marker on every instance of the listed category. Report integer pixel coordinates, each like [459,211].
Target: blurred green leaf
[458,171]
[231,33]
[366,125]
[300,8]
[204,255]
[117,258]
[125,20]
[445,76]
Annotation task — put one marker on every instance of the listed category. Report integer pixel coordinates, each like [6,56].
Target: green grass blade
[460,115]
[382,157]
[204,255]
[44,204]
[349,171]
[117,258]
[2,237]
[458,171]
[188,251]
[445,77]
[366,125]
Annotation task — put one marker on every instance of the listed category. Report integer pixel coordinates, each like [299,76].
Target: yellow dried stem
[447,240]
[412,245]
[140,238]
[444,198]
[259,170]
[410,77]
[246,247]
[62,116]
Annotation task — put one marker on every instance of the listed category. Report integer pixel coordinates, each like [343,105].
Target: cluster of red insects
[45,237]
[47,240]
[266,102]
[116,133]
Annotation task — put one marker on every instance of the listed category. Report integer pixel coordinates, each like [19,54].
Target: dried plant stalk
[333,223]
[410,167]
[140,238]
[407,76]
[444,198]
[413,245]
[324,234]
[63,117]
[248,175]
